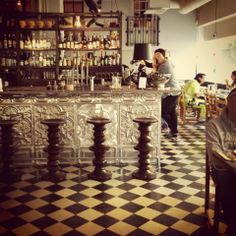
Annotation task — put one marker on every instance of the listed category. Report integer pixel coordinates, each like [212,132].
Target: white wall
[217,58]
[178,34]
[217,39]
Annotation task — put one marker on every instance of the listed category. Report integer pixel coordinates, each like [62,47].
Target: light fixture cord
[215,25]
[116,6]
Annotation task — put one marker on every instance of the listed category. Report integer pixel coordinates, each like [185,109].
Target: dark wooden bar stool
[55,173]
[8,173]
[144,147]
[99,149]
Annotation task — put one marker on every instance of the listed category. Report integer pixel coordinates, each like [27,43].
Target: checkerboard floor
[170,205]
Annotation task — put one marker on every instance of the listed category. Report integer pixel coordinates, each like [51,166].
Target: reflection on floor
[170,205]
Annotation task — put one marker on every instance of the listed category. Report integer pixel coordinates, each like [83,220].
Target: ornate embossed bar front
[120,106]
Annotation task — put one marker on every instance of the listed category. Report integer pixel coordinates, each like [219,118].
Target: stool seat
[53,121]
[98,120]
[8,173]
[99,149]
[145,120]
[54,173]
[144,147]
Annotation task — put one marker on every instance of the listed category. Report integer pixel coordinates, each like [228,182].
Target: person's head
[200,77]
[233,76]
[160,54]
[231,107]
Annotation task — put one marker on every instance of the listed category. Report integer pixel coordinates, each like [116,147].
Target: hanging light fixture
[19,6]
[94,8]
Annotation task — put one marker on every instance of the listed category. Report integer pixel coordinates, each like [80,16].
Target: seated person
[221,136]
[191,92]
[231,83]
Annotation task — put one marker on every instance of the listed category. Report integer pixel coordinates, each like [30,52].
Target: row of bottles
[8,41]
[8,58]
[76,41]
[7,22]
[34,75]
[90,59]
[37,59]
[39,41]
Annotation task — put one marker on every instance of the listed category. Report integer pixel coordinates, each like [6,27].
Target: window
[139,7]
[73,6]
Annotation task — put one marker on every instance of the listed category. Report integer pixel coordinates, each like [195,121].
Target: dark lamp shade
[142,51]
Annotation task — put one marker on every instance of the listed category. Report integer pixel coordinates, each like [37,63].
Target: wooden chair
[187,113]
[224,180]
[210,101]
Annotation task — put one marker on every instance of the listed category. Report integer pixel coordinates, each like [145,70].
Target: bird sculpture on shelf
[94,8]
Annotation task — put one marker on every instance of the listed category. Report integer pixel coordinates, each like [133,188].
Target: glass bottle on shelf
[33,41]
[117,58]
[5,44]
[44,41]
[40,59]
[13,40]
[9,41]
[22,43]
[71,39]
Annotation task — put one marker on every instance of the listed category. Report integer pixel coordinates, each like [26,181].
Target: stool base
[100,175]
[144,175]
[55,177]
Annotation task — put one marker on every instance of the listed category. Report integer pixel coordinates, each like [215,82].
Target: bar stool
[99,149]
[144,147]
[54,173]
[8,173]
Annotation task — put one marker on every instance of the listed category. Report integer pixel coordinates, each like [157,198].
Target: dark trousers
[169,113]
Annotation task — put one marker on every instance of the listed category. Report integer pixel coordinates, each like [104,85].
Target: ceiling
[183,6]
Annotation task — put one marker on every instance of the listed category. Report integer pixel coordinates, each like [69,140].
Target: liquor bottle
[89,43]
[33,41]
[105,59]
[105,42]
[33,59]
[68,42]
[9,41]
[113,59]
[117,58]
[40,59]
[22,43]
[71,39]
[108,42]
[98,42]
[109,59]
[85,42]
[102,61]
[44,40]
[13,40]
[45,61]
[5,41]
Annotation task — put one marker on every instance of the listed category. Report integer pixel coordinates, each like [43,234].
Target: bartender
[162,65]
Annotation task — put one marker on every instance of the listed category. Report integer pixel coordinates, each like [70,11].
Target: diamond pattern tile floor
[170,205]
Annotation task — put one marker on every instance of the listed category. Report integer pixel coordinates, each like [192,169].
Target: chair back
[219,105]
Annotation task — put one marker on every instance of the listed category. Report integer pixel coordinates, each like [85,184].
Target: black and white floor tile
[170,205]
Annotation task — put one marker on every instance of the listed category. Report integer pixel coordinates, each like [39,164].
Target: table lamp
[142,51]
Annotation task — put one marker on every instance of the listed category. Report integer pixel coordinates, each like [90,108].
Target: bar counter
[33,104]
